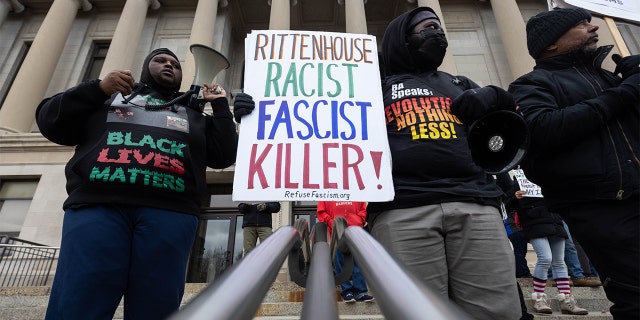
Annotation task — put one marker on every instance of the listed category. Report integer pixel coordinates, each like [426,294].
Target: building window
[15,199]
[96,60]
[14,71]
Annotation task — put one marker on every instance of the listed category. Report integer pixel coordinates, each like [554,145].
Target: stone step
[284,301]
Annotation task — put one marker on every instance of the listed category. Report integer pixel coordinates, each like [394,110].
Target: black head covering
[146,77]
[546,27]
[395,54]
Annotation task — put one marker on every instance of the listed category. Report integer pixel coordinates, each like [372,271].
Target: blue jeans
[550,252]
[111,251]
[571,256]
[357,286]
[519,242]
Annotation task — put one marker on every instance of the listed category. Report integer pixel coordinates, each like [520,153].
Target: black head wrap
[146,77]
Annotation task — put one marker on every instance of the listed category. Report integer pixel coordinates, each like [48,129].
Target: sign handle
[617,37]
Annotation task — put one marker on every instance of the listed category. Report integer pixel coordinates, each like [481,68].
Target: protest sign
[531,189]
[623,9]
[318,131]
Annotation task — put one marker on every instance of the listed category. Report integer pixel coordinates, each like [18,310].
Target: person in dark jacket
[545,231]
[135,183]
[444,223]
[585,145]
[256,222]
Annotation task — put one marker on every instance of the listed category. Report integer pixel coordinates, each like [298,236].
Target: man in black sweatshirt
[256,222]
[135,185]
[444,223]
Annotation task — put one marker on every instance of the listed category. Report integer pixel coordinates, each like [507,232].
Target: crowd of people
[130,237]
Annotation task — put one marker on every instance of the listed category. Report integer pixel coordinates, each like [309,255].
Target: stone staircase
[284,302]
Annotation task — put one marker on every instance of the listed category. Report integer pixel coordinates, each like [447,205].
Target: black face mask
[427,48]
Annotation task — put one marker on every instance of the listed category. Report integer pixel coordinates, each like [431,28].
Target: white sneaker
[568,305]
[542,303]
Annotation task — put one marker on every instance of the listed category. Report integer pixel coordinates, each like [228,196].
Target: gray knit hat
[545,28]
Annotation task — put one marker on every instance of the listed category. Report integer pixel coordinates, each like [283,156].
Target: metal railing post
[399,295]
[237,294]
[319,298]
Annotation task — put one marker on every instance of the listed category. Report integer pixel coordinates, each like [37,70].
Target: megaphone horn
[208,63]
[498,141]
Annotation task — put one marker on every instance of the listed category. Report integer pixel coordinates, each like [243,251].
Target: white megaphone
[208,63]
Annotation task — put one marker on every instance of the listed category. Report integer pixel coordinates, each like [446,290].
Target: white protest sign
[623,9]
[318,131]
[531,189]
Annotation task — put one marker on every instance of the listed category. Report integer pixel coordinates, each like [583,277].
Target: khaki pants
[458,249]
[251,236]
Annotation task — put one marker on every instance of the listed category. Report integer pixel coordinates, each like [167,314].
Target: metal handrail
[399,294]
[26,263]
[320,302]
[237,294]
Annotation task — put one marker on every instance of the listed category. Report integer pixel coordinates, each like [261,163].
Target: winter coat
[253,217]
[537,221]
[584,145]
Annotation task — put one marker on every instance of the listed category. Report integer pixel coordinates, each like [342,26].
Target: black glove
[626,66]
[629,89]
[243,104]
[472,104]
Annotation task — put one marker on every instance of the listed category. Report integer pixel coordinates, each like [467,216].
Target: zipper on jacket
[633,153]
[613,143]
[615,152]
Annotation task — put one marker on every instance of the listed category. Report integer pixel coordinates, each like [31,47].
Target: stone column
[514,38]
[449,63]
[6,6]
[280,18]
[122,50]
[32,80]
[202,32]
[356,19]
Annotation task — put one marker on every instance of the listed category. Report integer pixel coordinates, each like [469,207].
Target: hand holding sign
[318,129]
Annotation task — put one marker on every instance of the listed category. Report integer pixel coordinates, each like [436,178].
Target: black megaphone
[498,141]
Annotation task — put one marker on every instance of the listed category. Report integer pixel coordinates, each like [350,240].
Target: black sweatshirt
[128,155]
[429,148]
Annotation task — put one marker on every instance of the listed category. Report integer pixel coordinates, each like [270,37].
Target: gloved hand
[629,89]
[626,66]
[243,104]
[472,104]
[261,206]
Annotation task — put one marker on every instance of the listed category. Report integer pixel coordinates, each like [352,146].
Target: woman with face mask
[444,223]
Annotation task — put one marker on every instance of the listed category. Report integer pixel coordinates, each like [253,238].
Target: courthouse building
[48,46]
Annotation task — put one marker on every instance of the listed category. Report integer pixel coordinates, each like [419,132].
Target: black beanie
[545,28]
[146,78]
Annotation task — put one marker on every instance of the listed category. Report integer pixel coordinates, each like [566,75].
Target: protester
[256,222]
[135,184]
[518,240]
[355,213]
[444,224]
[545,231]
[585,150]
